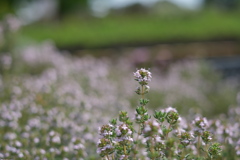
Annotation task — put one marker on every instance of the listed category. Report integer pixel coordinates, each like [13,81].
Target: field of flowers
[52,104]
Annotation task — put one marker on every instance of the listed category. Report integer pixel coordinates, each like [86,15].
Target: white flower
[155,123]
[56,139]
[78,146]
[147,128]
[52,149]
[159,140]
[237,148]
[51,133]
[1,155]
[36,140]
[66,149]
[118,132]
[42,151]
[123,157]
[18,144]
[238,152]
[20,155]
[170,109]
[124,127]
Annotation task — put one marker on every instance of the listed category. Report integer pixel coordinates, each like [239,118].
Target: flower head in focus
[143,76]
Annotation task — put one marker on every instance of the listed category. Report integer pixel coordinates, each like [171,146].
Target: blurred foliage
[64,7]
[75,6]
[223,4]
[137,29]
[7,6]
[68,7]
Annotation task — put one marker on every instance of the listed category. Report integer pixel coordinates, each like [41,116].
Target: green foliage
[214,150]
[134,29]
[160,116]
[6,7]
[72,6]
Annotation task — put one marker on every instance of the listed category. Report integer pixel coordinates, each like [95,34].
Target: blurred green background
[81,24]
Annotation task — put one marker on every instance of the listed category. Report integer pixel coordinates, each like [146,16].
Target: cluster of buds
[105,147]
[124,141]
[172,116]
[159,143]
[160,116]
[143,76]
[154,143]
[116,140]
[106,131]
[200,125]
[206,137]
[186,138]
[123,117]
[214,150]
[124,134]
[145,90]
[151,128]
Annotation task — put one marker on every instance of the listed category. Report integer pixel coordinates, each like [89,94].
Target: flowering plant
[165,135]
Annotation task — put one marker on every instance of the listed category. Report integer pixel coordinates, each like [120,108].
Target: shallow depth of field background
[66,66]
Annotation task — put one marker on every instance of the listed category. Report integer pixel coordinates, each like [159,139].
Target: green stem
[125,151]
[135,149]
[206,151]
[108,157]
[142,93]
[183,153]
[152,147]
[198,146]
[168,131]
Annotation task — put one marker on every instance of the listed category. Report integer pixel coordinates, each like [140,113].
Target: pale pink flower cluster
[123,133]
[201,122]
[169,109]
[143,75]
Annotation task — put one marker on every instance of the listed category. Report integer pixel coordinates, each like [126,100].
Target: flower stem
[152,147]
[142,93]
[198,146]
[168,131]
[206,148]
[136,145]
[125,151]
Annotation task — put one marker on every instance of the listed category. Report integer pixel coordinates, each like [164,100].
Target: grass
[133,29]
